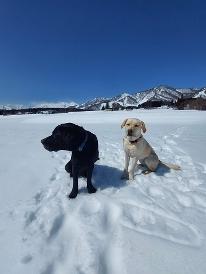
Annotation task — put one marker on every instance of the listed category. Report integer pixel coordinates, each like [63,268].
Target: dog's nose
[43,140]
[129,132]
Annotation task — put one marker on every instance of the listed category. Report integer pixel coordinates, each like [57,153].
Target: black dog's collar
[135,141]
[83,143]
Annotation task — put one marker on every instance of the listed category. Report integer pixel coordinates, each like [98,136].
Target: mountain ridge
[162,93]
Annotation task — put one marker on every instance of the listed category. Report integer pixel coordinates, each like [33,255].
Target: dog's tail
[171,166]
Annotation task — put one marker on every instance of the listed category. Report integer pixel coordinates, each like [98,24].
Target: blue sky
[77,50]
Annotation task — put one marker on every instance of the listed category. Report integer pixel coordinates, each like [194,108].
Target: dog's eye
[128,125]
[57,134]
[136,125]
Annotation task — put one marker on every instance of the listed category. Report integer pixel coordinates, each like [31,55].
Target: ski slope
[155,224]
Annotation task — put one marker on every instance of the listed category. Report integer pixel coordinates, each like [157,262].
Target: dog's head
[65,137]
[133,128]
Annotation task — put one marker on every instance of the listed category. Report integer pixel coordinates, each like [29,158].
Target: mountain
[164,94]
[40,105]
[11,106]
[95,104]
[161,93]
[124,99]
[56,105]
[201,94]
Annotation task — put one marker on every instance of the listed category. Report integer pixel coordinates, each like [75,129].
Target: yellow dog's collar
[136,141]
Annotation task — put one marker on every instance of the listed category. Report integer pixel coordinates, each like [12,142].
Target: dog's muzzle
[44,141]
[48,145]
[129,132]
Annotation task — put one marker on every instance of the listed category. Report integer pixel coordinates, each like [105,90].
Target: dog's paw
[125,175]
[131,176]
[73,194]
[146,172]
[91,189]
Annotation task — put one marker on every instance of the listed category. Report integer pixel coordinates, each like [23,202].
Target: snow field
[154,224]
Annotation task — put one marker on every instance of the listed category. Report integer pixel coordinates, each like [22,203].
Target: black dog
[84,147]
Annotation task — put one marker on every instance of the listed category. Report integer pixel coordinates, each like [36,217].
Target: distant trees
[107,105]
[115,106]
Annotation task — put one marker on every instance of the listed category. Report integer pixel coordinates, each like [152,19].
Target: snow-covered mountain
[11,106]
[95,104]
[160,93]
[55,105]
[39,105]
[201,93]
[124,99]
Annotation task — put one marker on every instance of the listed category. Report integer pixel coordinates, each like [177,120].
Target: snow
[11,106]
[153,225]
[201,94]
[162,92]
[55,105]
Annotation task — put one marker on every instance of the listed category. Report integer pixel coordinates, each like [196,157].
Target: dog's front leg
[125,174]
[132,168]
[74,191]
[68,168]
[90,187]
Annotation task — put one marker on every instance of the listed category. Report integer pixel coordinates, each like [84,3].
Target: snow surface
[153,225]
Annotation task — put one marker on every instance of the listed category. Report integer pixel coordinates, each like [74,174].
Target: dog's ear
[143,127]
[123,123]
